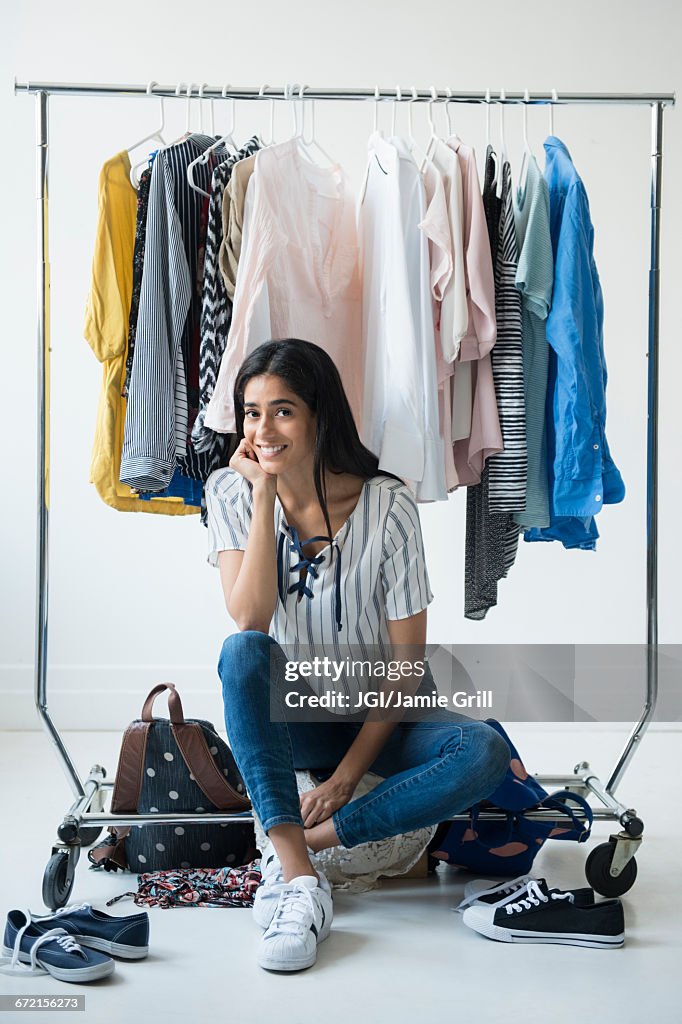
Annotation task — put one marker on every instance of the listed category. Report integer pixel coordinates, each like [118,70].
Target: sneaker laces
[534,897]
[502,890]
[12,965]
[294,904]
[70,909]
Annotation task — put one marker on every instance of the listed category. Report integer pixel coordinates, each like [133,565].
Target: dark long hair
[311,374]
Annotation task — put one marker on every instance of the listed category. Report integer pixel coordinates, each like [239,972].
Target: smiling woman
[359,577]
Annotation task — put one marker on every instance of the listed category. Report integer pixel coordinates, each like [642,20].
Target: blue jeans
[431,769]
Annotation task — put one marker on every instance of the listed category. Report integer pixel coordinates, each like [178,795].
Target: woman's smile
[271,451]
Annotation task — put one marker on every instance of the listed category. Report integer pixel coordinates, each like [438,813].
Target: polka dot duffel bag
[177,765]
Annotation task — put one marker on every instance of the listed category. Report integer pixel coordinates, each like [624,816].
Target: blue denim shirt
[582,474]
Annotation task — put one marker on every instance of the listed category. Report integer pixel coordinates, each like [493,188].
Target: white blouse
[377,572]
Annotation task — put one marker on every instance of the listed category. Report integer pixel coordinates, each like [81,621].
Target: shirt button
[597,497]
[596,447]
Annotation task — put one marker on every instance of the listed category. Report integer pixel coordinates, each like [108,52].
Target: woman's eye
[286,412]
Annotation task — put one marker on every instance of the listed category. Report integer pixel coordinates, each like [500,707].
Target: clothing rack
[187,91]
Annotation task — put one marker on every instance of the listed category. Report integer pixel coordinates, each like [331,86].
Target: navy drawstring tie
[310,565]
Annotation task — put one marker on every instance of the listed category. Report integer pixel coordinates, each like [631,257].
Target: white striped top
[380,573]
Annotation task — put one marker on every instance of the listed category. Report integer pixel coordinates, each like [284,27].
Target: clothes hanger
[527,151]
[499,175]
[271,140]
[555,99]
[398,99]
[494,156]
[418,154]
[226,141]
[433,135]
[312,141]
[156,134]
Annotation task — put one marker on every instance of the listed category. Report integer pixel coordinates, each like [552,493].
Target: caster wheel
[597,872]
[59,878]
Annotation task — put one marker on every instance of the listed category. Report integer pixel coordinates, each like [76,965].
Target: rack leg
[652,453]
[42,559]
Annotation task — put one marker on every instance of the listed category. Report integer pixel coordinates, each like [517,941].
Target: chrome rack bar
[314,93]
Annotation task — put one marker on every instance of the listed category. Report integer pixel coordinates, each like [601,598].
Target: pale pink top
[298,273]
[476,381]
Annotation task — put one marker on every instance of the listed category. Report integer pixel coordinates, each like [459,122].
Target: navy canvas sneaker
[548,915]
[125,937]
[28,951]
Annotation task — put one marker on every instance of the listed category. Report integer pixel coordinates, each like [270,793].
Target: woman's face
[278,425]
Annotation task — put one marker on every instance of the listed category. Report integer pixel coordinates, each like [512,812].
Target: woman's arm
[409,636]
[249,578]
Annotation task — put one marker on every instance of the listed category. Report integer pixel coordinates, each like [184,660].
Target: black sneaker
[548,915]
[497,894]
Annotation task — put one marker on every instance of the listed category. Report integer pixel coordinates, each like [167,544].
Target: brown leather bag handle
[175,711]
[208,777]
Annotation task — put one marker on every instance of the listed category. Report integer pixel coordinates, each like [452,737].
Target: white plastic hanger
[377,97]
[203,158]
[155,135]
[499,175]
[271,140]
[398,99]
[527,151]
[555,99]
[433,135]
[418,154]
[312,142]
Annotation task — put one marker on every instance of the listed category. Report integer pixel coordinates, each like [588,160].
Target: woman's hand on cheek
[320,803]
[245,461]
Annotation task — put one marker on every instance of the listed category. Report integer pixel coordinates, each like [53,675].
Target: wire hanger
[156,134]
[377,97]
[417,153]
[488,145]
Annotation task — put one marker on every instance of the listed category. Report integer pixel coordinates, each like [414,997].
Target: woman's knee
[242,653]
[496,755]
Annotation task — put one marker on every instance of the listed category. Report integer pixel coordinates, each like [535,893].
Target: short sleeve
[227,518]
[404,576]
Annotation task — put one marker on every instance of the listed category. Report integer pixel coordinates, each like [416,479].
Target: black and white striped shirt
[380,553]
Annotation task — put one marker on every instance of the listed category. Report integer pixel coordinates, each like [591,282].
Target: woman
[300,471]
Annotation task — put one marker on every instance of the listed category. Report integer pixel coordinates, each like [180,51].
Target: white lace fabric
[358,869]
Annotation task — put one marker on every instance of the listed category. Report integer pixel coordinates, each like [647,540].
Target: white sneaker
[302,919]
[272,884]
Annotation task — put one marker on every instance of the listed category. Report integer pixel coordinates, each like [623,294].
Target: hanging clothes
[400,411]
[216,309]
[106,331]
[298,274]
[534,280]
[234,200]
[582,474]
[138,263]
[163,394]
[491,532]
[473,382]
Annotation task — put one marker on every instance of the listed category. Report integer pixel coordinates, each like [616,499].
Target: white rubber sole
[492,931]
[113,948]
[270,963]
[75,974]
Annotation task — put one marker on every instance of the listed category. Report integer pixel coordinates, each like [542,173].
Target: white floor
[396,954]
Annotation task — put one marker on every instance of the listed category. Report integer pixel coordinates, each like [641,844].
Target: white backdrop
[132,599]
